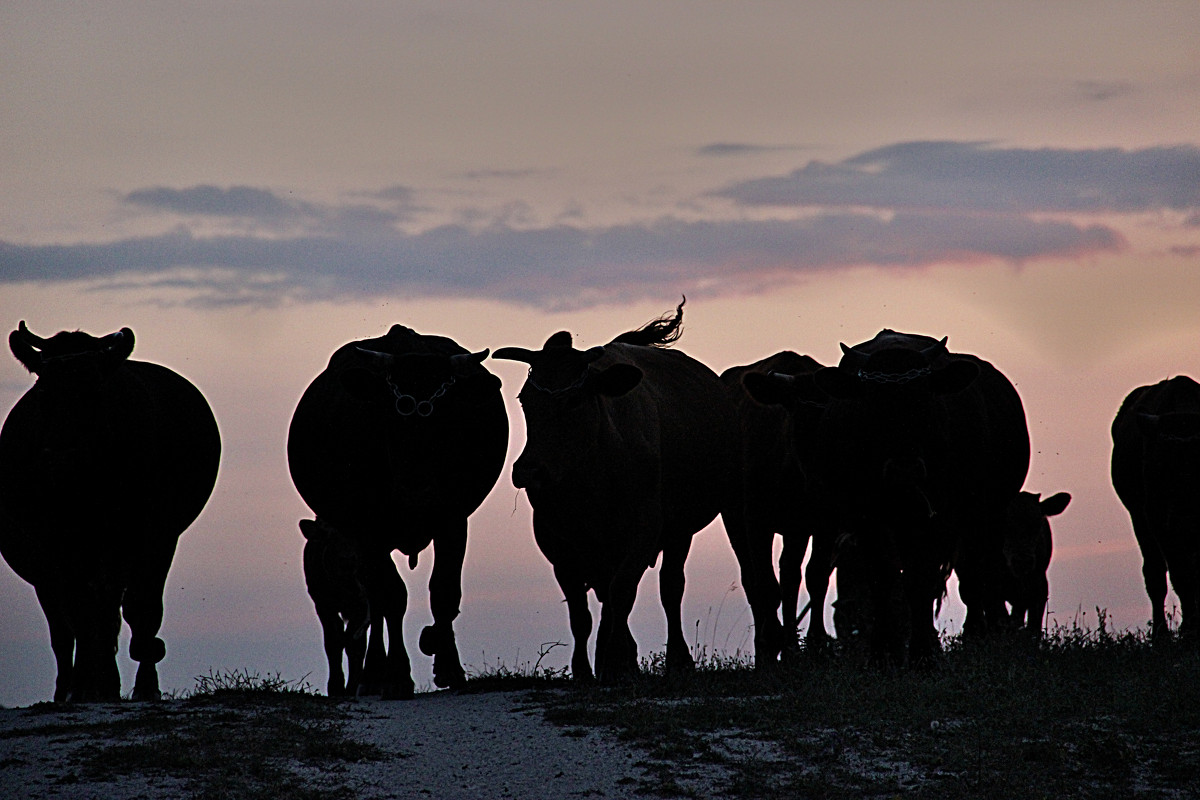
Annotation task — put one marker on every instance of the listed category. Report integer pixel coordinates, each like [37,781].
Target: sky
[250,185]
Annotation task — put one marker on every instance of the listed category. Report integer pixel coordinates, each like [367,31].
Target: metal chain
[888,377]
[552,392]
[407,405]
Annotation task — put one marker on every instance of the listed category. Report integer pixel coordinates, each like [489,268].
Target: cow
[396,443]
[776,441]
[918,453]
[1027,547]
[1156,474]
[104,463]
[631,449]
[335,574]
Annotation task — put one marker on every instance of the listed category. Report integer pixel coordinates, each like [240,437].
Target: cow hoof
[452,677]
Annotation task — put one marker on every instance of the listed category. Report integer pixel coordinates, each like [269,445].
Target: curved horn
[515,354]
[463,360]
[29,336]
[852,357]
[120,340]
[383,360]
[936,349]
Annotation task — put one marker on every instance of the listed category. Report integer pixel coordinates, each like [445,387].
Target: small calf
[333,570]
[1027,550]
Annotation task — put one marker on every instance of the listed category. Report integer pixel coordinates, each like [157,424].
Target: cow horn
[462,360]
[936,349]
[852,357]
[122,340]
[515,354]
[384,360]
[29,336]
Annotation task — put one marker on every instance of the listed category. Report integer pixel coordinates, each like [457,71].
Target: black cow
[1028,546]
[335,573]
[631,449]
[104,462]
[1156,473]
[396,443]
[919,452]
[776,442]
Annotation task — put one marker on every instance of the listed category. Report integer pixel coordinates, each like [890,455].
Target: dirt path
[491,745]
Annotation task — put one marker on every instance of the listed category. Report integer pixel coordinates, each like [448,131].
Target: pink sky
[248,191]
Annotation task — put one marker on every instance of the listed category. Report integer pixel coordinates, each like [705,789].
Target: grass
[1083,714]
[236,735]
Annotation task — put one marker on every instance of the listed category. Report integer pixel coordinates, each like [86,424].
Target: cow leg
[670,585]
[791,570]
[143,609]
[62,640]
[816,576]
[752,545]
[96,618]
[387,591]
[575,593]
[333,632]
[1154,575]
[616,650]
[356,650]
[445,596]
[1035,596]
[375,661]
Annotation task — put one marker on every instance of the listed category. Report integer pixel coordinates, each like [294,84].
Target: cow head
[1027,530]
[560,400]
[70,356]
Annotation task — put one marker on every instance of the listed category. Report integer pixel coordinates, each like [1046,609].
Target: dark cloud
[1100,91]
[552,266]
[213,201]
[977,177]
[721,149]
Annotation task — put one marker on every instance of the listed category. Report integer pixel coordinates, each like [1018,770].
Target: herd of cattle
[901,464]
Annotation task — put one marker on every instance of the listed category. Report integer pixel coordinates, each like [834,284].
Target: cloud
[553,266]
[213,201]
[723,149]
[973,177]
[902,206]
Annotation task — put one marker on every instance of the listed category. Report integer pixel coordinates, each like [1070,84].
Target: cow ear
[770,388]
[616,380]
[954,377]
[1055,504]
[361,384]
[837,383]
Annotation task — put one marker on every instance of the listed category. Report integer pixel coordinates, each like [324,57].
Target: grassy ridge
[1084,714]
